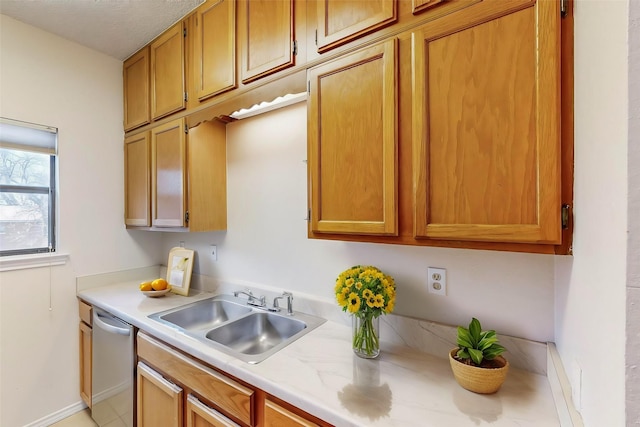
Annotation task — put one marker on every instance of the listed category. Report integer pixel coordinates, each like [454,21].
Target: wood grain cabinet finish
[486,127]
[231,397]
[352,142]
[200,415]
[159,401]
[276,415]
[168,72]
[137,186]
[214,39]
[135,77]
[266,37]
[168,174]
[85,336]
[341,21]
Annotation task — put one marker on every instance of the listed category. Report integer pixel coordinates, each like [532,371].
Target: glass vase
[366,334]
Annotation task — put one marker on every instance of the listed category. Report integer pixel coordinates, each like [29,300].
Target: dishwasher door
[112,370]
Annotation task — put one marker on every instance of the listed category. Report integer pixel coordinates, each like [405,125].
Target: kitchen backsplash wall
[266,243]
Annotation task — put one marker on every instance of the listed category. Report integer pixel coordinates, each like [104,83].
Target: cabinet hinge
[565,216]
[295,47]
[186,129]
[563,8]
[308,218]
[184,32]
[309,87]
[186,96]
[316,37]
[186,217]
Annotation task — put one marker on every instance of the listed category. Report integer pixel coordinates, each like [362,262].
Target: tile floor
[79,419]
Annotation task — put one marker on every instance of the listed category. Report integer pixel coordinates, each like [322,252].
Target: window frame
[50,191]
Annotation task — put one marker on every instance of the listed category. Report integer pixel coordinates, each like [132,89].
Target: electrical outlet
[214,252]
[182,243]
[437,280]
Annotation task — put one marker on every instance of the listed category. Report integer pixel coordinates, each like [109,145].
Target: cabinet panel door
[267,37]
[207,164]
[167,72]
[168,174]
[135,77]
[159,401]
[352,141]
[85,362]
[276,416]
[486,129]
[200,415]
[137,180]
[215,48]
[340,21]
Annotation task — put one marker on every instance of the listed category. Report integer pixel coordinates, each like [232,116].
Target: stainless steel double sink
[228,324]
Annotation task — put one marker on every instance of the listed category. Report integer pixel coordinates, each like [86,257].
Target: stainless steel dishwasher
[112,370]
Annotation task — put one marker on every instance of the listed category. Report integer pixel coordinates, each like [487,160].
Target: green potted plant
[477,363]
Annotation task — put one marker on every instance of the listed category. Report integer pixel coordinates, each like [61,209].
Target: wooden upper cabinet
[168,72]
[340,21]
[352,143]
[486,127]
[266,37]
[168,174]
[214,57]
[137,209]
[135,74]
[159,401]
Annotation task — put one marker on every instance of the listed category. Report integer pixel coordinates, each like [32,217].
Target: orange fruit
[159,285]
[145,286]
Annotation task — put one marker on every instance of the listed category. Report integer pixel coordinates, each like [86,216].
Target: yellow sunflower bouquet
[366,293]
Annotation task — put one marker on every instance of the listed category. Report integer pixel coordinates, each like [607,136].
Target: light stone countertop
[320,374]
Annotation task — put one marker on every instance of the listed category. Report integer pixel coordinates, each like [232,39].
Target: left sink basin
[203,314]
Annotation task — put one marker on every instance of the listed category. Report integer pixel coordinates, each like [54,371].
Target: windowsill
[20,262]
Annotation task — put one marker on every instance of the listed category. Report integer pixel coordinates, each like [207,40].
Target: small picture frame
[179,268]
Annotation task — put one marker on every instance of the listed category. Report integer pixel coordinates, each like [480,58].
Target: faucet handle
[289,297]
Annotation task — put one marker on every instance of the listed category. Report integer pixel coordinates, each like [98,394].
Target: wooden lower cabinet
[200,415]
[159,401]
[85,347]
[174,386]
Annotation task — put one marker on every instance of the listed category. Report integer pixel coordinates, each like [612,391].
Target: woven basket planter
[479,380]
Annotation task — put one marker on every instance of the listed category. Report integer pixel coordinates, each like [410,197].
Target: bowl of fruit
[155,288]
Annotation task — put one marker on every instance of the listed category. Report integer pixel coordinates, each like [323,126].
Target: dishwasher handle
[99,315]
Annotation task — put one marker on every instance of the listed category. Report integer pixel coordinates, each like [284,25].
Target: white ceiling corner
[117,28]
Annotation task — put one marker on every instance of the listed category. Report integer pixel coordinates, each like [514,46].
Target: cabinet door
[85,362]
[159,401]
[168,174]
[215,48]
[340,21]
[200,415]
[486,128]
[352,141]
[207,165]
[167,72]
[276,416]
[135,77]
[266,37]
[137,180]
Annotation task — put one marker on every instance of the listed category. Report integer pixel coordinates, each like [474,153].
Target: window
[27,187]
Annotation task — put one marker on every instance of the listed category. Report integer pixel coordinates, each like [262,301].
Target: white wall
[633,248]
[590,287]
[51,81]
[266,243]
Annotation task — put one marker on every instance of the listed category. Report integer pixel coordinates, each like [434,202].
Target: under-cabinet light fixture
[263,107]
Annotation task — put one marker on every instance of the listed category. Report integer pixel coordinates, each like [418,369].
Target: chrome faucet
[289,297]
[252,300]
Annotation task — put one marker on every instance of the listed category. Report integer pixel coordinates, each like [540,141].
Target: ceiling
[117,28]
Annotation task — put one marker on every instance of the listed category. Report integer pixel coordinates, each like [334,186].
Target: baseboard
[58,415]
